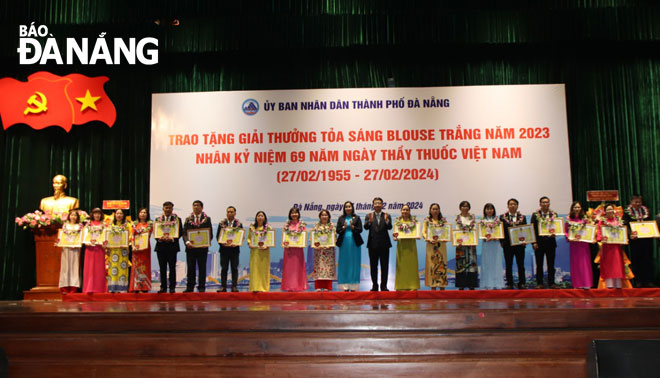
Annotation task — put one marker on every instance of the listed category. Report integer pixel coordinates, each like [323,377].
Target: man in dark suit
[641,249]
[378,243]
[167,248]
[545,245]
[229,253]
[196,256]
[510,219]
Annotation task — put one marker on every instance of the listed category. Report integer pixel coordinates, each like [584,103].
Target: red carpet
[364,295]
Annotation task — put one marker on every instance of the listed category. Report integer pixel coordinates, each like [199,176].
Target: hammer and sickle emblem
[36,106]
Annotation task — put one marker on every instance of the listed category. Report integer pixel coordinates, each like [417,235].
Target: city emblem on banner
[47,100]
[250,106]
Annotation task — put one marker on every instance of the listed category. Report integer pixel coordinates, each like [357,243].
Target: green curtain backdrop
[606,52]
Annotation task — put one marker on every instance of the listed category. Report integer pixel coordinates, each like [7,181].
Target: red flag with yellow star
[38,103]
[89,101]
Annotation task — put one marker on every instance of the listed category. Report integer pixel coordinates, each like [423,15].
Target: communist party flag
[88,98]
[51,100]
[38,103]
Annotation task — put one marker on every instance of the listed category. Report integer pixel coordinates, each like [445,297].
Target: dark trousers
[227,257]
[165,259]
[641,258]
[595,268]
[196,259]
[519,253]
[381,255]
[549,253]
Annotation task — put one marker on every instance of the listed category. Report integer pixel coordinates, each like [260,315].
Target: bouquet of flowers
[39,219]
[406,227]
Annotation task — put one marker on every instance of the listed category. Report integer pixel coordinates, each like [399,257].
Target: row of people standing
[349,240]
[106,269]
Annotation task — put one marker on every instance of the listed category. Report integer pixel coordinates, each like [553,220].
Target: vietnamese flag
[38,103]
[87,96]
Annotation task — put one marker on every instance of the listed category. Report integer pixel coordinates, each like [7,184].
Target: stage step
[201,317]
[272,344]
[402,366]
[506,338]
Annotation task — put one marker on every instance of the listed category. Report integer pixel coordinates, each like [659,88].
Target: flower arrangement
[140,228]
[575,226]
[441,221]
[323,228]
[638,214]
[518,220]
[599,212]
[289,228]
[39,219]
[545,220]
[490,223]
[465,227]
[266,227]
[171,223]
[406,227]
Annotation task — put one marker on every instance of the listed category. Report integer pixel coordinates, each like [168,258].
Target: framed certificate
[71,239]
[407,230]
[116,239]
[200,237]
[141,241]
[437,233]
[322,239]
[295,239]
[521,235]
[266,239]
[231,235]
[170,229]
[495,232]
[549,229]
[645,229]
[586,233]
[93,235]
[461,237]
[615,235]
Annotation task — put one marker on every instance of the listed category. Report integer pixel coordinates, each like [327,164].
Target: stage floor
[473,334]
[449,301]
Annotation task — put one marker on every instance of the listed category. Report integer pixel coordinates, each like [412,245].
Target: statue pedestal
[48,265]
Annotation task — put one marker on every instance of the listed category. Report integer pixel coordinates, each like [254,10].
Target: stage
[510,333]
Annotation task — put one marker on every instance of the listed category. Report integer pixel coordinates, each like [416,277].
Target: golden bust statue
[59,203]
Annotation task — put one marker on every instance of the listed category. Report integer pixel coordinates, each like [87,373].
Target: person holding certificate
[324,256]
[407,270]
[260,253]
[435,275]
[167,246]
[491,252]
[581,273]
[294,274]
[197,252]
[118,255]
[513,218]
[641,249]
[141,257]
[70,259]
[349,240]
[612,268]
[378,243]
[229,252]
[94,275]
[545,245]
[467,269]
